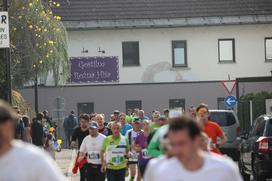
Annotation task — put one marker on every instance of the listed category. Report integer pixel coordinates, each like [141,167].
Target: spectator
[27,131]
[19,133]
[69,125]
[37,131]
[15,155]
[47,119]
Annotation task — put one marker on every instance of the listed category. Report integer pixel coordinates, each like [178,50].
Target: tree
[38,42]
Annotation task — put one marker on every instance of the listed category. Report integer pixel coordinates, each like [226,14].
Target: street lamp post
[7,93]
[36,91]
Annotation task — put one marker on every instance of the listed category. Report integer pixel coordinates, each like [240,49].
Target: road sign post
[5,44]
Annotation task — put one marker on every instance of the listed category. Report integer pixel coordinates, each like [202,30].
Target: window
[268,49]
[87,108]
[258,128]
[179,53]
[269,128]
[133,104]
[226,50]
[130,53]
[223,118]
[221,103]
[177,103]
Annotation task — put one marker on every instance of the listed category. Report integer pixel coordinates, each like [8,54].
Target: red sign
[229,85]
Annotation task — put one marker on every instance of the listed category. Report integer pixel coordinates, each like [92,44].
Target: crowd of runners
[173,145]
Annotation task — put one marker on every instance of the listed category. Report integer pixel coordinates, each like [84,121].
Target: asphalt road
[65,161]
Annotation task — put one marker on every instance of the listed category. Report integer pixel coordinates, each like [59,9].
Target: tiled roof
[93,10]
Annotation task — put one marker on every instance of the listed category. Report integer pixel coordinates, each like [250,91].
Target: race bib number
[94,157]
[116,156]
[135,156]
[145,154]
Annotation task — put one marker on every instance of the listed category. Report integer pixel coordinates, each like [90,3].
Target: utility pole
[7,86]
[36,92]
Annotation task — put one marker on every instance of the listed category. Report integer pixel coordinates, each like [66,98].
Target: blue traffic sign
[230,101]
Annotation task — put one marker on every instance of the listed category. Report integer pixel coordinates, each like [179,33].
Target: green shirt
[154,126]
[111,147]
[154,147]
[129,119]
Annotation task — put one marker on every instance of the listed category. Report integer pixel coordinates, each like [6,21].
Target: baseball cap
[146,121]
[136,119]
[116,112]
[93,125]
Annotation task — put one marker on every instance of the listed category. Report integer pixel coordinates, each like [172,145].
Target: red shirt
[213,130]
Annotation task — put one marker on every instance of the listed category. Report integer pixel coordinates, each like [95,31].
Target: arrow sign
[229,85]
[230,101]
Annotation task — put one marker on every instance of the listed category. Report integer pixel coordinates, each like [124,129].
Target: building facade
[159,54]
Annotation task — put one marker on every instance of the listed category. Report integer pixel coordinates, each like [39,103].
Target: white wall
[202,49]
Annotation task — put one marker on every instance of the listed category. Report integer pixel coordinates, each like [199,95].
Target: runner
[133,161]
[92,147]
[142,115]
[212,129]
[166,113]
[100,119]
[140,146]
[190,162]
[79,134]
[22,161]
[154,147]
[116,114]
[114,154]
[129,116]
[155,120]
[124,124]
[154,163]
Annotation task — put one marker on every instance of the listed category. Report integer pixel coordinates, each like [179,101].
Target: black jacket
[37,133]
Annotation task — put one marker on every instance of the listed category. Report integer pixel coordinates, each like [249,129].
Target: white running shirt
[25,162]
[152,166]
[93,147]
[214,169]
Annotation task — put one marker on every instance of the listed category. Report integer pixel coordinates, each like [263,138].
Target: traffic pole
[7,65]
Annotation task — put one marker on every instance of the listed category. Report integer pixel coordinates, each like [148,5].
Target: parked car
[256,150]
[230,125]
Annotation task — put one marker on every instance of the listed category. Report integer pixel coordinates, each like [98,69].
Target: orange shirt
[213,130]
